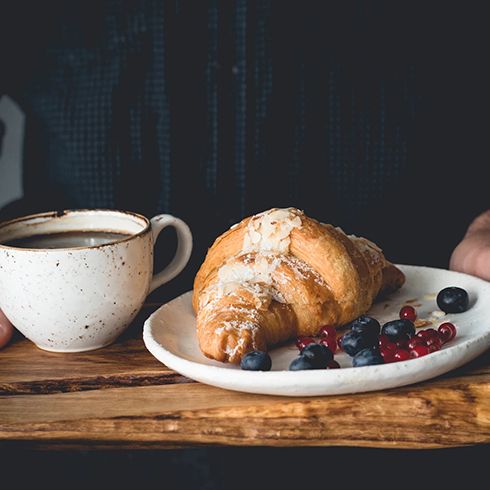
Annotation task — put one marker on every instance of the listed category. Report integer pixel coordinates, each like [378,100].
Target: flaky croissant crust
[280,274]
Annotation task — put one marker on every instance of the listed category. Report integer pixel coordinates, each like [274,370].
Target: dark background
[248,468]
[369,115]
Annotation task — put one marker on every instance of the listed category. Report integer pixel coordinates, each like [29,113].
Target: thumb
[6,329]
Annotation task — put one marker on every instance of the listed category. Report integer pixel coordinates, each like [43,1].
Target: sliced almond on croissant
[280,274]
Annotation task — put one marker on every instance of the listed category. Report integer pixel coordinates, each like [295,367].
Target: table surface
[122,397]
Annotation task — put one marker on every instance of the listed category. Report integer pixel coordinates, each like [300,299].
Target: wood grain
[121,397]
[25,369]
[184,415]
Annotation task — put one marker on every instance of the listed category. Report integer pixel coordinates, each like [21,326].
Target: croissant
[280,274]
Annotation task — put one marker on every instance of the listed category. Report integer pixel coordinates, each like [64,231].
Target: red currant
[387,355]
[385,343]
[330,343]
[387,348]
[408,313]
[327,331]
[402,343]
[333,364]
[414,341]
[447,332]
[428,332]
[302,342]
[339,342]
[419,350]
[433,343]
[401,355]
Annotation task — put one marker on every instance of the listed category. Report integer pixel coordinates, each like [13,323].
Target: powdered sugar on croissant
[280,274]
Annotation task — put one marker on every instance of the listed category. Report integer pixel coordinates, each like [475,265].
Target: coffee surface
[67,239]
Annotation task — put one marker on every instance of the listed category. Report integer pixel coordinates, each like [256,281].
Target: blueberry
[367,357]
[256,361]
[366,325]
[301,363]
[318,354]
[353,342]
[398,329]
[453,300]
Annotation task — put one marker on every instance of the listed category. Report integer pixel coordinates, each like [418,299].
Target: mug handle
[184,247]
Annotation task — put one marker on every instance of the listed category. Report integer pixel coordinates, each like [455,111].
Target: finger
[6,329]
[472,256]
[480,224]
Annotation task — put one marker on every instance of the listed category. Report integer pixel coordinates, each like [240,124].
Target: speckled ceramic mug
[82,298]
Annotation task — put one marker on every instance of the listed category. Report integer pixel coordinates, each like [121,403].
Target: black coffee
[67,239]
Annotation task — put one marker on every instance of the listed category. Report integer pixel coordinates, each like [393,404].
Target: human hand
[472,255]
[6,329]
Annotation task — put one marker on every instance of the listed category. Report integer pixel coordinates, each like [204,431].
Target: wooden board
[121,396]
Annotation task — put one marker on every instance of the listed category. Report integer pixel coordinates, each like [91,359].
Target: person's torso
[215,110]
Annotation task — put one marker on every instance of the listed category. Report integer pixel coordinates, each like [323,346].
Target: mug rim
[58,214]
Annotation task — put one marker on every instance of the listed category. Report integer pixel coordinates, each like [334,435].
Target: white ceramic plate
[170,335]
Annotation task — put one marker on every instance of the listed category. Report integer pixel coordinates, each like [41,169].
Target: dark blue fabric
[368,115]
